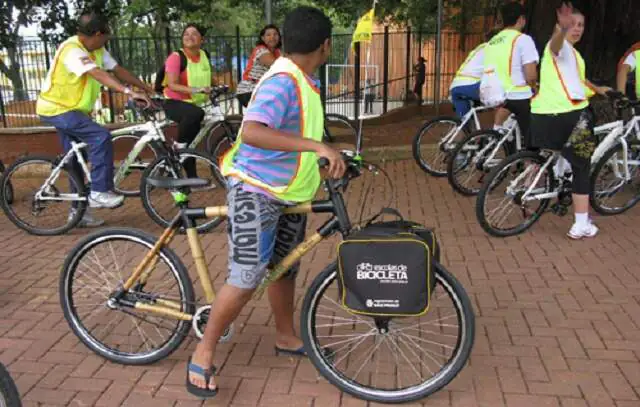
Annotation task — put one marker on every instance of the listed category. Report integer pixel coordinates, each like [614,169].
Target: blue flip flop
[205,393]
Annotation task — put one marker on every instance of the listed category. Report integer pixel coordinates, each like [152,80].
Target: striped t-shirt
[255,70]
[275,104]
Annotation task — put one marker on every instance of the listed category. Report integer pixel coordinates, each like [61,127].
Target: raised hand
[566,18]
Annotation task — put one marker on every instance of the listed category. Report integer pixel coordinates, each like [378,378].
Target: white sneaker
[105,200]
[578,232]
[88,221]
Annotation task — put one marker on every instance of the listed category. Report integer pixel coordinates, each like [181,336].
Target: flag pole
[366,77]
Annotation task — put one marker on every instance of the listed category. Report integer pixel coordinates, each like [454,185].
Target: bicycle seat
[173,183]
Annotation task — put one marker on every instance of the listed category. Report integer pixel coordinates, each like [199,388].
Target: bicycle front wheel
[44,200]
[160,204]
[472,159]
[611,192]
[434,142]
[114,329]
[128,183]
[413,358]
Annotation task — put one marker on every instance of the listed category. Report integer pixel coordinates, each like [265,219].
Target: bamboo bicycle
[136,306]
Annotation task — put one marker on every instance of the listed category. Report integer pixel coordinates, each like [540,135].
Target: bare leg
[580,203]
[225,309]
[281,295]
[501,116]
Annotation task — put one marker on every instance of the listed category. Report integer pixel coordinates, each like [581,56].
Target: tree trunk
[13,73]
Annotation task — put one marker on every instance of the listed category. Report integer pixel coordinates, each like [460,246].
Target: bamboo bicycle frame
[172,308]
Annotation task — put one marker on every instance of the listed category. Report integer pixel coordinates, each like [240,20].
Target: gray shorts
[259,236]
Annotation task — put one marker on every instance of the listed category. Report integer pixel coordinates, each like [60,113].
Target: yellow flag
[363,29]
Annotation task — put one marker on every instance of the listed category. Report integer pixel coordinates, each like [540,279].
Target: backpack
[159,83]
[492,93]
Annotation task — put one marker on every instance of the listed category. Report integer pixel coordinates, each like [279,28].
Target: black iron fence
[383,70]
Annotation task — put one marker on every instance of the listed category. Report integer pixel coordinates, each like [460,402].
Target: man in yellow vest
[630,62]
[514,57]
[561,119]
[272,164]
[67,98]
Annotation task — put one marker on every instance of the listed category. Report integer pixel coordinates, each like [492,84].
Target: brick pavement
[558,322]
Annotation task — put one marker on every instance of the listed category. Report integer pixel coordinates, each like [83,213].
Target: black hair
[305,29]
[264,31]
[491,34]
[201,30]
[90,23]
[511,12]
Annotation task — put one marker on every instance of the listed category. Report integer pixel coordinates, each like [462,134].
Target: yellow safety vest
[637,56]
[304,184]
[198,76]
[553,97]
[471,55]
[498,56]
[63,91]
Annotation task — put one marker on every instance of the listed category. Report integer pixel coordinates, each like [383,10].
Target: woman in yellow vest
[187,88]
[68,95]
[630,62]
[560,118]
[272,164]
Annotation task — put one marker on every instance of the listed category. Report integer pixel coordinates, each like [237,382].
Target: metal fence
[383,68]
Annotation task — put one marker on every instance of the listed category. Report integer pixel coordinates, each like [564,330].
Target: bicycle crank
[199,322]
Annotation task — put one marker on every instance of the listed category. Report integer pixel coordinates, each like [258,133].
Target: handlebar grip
[323,162]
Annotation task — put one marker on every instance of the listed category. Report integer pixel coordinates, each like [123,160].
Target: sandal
[207,374]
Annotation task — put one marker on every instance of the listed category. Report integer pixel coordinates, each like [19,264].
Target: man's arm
[127,77]
[621,80]
[531,74]
[109,81]
[600,90]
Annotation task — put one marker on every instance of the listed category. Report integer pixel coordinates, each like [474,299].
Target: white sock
[497,127]
[582,219]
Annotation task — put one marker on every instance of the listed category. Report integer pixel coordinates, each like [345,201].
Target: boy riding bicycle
[272,165]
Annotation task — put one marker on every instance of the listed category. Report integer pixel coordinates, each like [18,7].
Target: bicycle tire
[168,256]
[230,129]
[417,140]
[9,394]
[7,206]
[145,191]
[134,165]
[601,165]
[452,368]
[334,117]
[452,172]
[217,146]
[8,190]
[495,173]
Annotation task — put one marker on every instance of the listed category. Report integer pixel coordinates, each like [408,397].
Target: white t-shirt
[568,66]
[524,52]
[631,61]
[473,69]
[78,61]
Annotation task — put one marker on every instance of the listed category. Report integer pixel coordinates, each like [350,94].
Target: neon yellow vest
[498,56]
[198,76]
[63,91]
[304,184]
[471,55]
[553,97]
[637,55]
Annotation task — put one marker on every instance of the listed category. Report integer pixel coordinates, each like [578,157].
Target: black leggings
[189,118]
[572,133]
[522,110]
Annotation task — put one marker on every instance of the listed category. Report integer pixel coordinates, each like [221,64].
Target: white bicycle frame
[76,149]
[633,126]
[513,128]
[448,139]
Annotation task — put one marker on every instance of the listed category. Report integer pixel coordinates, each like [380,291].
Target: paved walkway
[558,322]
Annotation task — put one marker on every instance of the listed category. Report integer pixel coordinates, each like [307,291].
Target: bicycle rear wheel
[160,204]
[9,395]
[352,353]
[39,207]
[122,146]
[96,268]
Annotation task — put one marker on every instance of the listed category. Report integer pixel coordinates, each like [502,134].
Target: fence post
[323,86]
[4,118]
[238,62]
[408,73]
[47,64]
[385,71]
[438,58]
[356,79]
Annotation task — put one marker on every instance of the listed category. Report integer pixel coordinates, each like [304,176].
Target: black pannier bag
[386,268]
